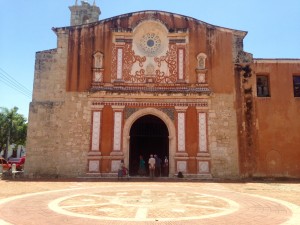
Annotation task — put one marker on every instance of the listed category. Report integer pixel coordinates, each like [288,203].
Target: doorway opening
[148,135]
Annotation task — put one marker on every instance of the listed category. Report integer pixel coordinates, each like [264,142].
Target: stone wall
[50,72]
[59,137]
[222,134]
[59,122]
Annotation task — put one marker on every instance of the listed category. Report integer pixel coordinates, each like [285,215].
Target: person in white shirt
[151,163]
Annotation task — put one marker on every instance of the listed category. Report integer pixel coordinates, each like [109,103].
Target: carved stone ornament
[204,167]
[98,75]
[201,78]
[150,44]
[182,166]
[94,166]
[201,68]
[201,59]
[98,60]
[98,67]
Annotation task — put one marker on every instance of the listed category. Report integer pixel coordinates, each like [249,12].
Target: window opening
[296,85]
[262,85]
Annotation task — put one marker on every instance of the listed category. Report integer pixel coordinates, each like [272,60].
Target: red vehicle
[5,165]
[18,161]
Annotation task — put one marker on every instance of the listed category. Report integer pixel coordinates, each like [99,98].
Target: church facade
[154,82]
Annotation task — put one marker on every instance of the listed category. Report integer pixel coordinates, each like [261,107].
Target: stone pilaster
[94,155]
[203,155]
[181,60]
[181,156]
[119,64]
[118,123]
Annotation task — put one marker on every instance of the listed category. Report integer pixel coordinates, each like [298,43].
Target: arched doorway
[148,135]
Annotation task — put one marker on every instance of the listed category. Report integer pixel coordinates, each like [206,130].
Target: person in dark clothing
[157,166]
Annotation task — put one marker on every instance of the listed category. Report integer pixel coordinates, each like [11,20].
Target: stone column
[94,155]
[117,153]
[181,155]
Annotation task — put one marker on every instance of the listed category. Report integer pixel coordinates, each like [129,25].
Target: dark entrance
[148,135]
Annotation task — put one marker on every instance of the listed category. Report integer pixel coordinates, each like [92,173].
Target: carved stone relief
[115,165]
[94,166]
[96,131]
[201,58]
[150,44]
[203,167]
[150,57]
[119,63]
[201,68]
[182,166]
[117,131]
[98,60]
[181,132]
[202,132]
[168,111]
[98,67]
[180,64]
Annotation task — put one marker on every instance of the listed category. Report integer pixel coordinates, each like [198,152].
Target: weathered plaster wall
[60,113]
[246,117]
[278,141]
[216,43]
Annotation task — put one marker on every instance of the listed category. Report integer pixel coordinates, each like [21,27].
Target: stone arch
[171,129]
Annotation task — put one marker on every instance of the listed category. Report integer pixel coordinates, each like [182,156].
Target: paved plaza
[162,201]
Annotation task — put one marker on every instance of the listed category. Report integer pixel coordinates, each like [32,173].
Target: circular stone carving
[150,44]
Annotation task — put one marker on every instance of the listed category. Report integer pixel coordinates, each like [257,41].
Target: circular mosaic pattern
[150,44]
[144,205]
[151,203]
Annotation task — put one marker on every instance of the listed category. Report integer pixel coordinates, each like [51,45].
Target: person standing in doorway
[166,166]
[151,163]
[157,166]
[142,167]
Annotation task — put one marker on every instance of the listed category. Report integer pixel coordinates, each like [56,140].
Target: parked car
[18,161]
[5,165]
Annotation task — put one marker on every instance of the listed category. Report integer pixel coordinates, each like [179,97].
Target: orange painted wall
[106,130]
[222,67]
[192,137]
[278,140]
[215,43]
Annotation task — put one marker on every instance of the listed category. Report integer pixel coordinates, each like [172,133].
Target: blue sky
[273,30]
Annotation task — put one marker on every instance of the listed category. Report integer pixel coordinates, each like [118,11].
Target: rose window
[150,43]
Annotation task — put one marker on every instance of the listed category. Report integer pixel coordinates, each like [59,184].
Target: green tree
[13,128]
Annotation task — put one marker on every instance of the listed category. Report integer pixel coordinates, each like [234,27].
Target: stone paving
[157,202]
